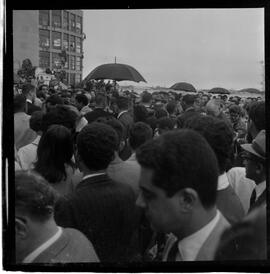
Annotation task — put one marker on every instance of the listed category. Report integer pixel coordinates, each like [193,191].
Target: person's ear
[21,228]
[259,168]
[188,197]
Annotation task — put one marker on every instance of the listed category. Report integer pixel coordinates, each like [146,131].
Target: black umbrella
[250,90]
[184,87]
[219,91]
[116,72]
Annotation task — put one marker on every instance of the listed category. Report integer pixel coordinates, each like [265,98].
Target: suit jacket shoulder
[71,247]
[208,249]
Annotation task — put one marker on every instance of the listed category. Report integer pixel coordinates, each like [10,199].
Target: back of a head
[96,144]
[212,107]
[171,106]
[115,124]
[27,89]
[60,115]
[165,123]
[139,133]
[235,109]
[146,97]
[54,100]
[19,103]
[182,159]
[34,197]
[81,98]
[122,103]
[35,122]
[140,113]
[100,100]
[189,99]
[256,113]
[217,133]
[159,113]
[55,149]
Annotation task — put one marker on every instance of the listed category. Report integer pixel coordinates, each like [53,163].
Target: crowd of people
[106,175]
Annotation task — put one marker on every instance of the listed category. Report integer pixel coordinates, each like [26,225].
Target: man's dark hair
[33,195]
[139,133]
[235,109]
[217,133]
[60,115]
[96,144]
[54,100]
[146,97]
[165,123]
[140,113]
[100,99]
[171,106]
[35,121]
[256,113]
[159,113]
[122,103]
[182,159]
[189,99]
[27,88]
[19,103]
[115,124]
[81,98]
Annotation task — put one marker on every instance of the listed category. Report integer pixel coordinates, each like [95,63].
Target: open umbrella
[183,86]
[250,90]
[116,72]
[219,91]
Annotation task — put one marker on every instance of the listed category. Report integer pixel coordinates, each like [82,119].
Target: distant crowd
[110,175]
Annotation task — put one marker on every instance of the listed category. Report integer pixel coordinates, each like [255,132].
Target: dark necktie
[173,252]
[252,198]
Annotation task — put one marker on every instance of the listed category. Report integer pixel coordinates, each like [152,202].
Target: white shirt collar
[33,255]
[92,175]
[121,113]
[28,100]
[223,181]
[36,141]
[189,247]
[260,189]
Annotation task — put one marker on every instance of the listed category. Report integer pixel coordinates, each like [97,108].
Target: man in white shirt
[38,238]
[255,158]
[178,183]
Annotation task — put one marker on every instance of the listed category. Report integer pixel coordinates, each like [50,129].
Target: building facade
[50,39]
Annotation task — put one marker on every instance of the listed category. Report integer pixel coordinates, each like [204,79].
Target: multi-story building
[45,36]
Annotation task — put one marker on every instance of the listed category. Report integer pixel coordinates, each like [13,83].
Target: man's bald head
[214,107]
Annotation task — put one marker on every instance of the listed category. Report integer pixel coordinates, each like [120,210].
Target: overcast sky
[205,47]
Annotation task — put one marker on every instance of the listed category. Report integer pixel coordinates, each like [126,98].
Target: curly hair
[33,195]
[218,134]
[96,144]
[181,159]
[140,113]
[55,149]
[140,132]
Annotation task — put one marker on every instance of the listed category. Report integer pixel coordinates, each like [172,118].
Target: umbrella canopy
[250,90]
[219,91]
[183,86]
[115,71]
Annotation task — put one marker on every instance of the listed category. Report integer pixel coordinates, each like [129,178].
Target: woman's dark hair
[55,149]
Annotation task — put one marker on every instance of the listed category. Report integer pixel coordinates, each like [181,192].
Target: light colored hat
[257,147]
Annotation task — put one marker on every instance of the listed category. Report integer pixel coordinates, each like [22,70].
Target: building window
[72,22]
[72,79]
[66,66]
[56,61]
[72,43]
[44,38]
[66,20]
[78,63]
[44,59]
[78,45]
[79,24]
[72,62]
[56,18]
[77,78]
[65,41]
[44,17]
[56,39]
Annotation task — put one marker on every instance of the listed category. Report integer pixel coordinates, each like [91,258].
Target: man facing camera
[178,185]
[38,238]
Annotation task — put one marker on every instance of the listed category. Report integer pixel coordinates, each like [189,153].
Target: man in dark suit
[29,91]
[98,110]
[38,238]
[255,162]
[220,137]
[178,183]
[102,209]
